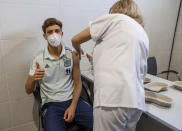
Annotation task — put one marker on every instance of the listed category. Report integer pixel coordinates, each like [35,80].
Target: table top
[171,117]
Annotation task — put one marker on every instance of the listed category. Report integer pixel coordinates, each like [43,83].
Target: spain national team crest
[67,65]
[67,62]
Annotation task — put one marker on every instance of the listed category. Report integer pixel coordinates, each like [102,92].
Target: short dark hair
[51,21]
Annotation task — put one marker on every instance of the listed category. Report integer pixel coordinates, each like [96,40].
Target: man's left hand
[69,114]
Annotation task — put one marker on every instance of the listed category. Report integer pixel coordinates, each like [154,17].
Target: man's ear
[45,37]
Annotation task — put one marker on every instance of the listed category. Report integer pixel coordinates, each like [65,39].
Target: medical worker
[120,65]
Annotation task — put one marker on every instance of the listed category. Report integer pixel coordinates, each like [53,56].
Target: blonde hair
[129,8]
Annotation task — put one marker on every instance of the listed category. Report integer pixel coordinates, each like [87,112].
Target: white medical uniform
[120,65]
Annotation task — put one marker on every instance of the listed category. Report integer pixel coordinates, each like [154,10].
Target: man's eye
[57,31]
[49,32]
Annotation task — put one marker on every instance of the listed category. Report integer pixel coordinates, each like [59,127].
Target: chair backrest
[37,97]
[36,93]
[152,65]
[87,92]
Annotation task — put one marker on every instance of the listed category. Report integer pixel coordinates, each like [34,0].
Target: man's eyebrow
[50,30]
[54,29]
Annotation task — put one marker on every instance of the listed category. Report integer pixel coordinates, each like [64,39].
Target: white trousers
[115,118]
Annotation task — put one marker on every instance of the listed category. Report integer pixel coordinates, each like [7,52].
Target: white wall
[21,38]
[76,16]
[160,19]
[176,63]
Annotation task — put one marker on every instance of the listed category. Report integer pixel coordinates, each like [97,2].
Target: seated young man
[57,70]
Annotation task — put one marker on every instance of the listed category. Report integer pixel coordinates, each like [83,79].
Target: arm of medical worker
[81,38]
[70,111]
[31,81]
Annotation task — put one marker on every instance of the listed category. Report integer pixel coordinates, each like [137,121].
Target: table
[170,117]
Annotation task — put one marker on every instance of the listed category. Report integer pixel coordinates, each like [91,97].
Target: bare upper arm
[76,66]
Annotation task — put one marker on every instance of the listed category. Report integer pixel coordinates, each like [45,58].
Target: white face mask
[54,40]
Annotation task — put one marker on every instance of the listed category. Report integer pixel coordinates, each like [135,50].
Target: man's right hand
[39,73]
